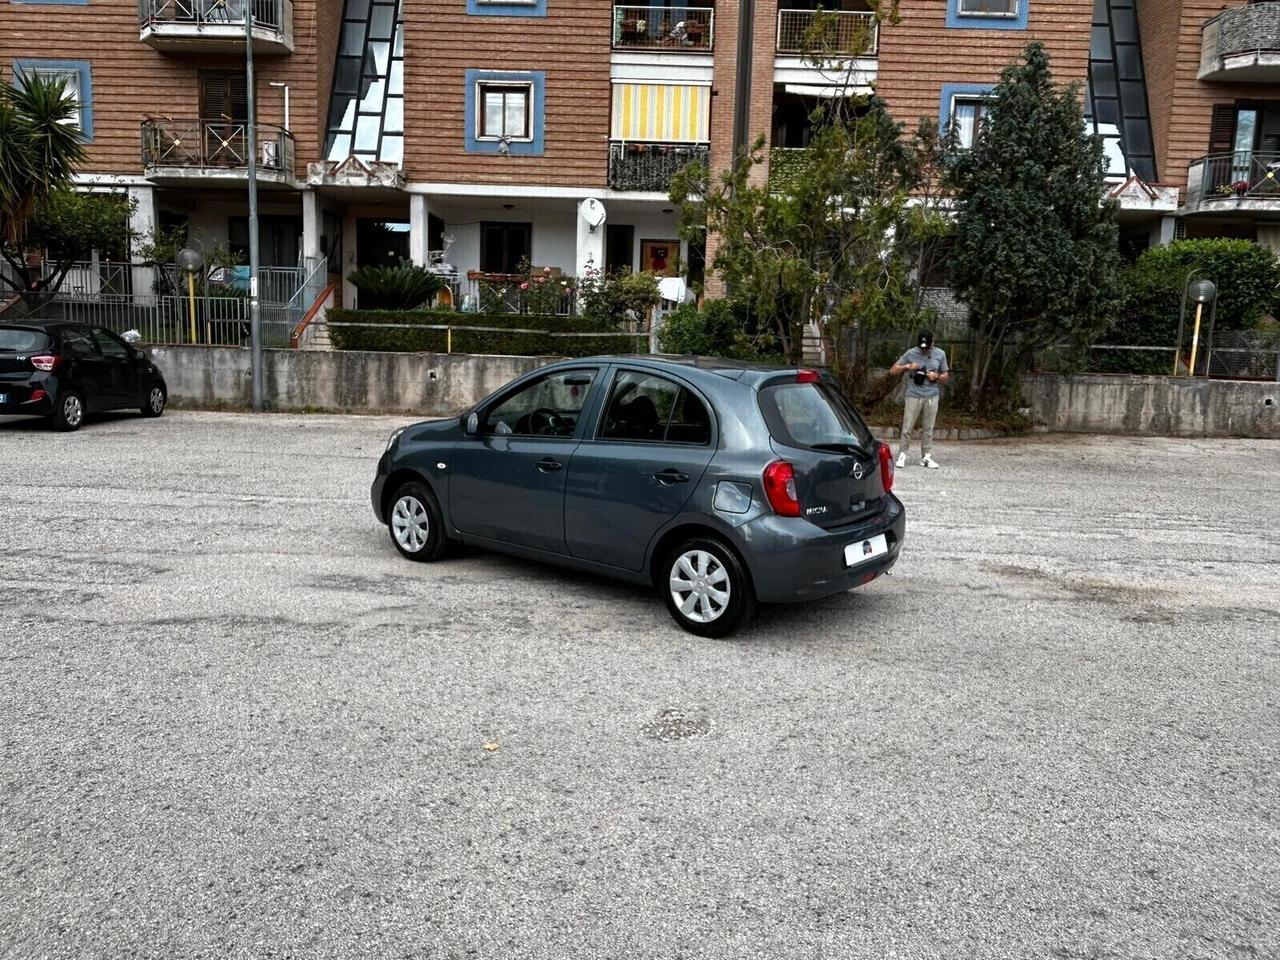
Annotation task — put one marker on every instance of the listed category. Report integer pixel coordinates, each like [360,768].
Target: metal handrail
[169,142]
[1242,175]
[267,14]
[663,28]
[794,26]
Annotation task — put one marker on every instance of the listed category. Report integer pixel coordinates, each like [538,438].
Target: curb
[956,433]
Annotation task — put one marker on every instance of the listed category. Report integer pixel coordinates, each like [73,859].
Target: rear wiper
[837,447]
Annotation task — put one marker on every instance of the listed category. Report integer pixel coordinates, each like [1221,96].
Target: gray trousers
[924,410]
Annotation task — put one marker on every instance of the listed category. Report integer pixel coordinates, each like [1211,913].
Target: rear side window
[813,415]
[21,340]
[76,341]
[647,408]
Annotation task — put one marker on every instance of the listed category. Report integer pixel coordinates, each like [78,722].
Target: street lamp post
[189,262]
[255,323]
[1202,292]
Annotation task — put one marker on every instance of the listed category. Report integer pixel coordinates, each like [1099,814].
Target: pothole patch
[671,725]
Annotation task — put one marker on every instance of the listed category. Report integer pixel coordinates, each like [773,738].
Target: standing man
[926,368]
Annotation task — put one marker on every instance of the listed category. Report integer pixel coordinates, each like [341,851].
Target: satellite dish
[592,211]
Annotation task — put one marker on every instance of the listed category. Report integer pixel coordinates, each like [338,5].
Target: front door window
[549,407]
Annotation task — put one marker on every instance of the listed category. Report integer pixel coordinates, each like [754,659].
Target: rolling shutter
[661,113]
[1222,130]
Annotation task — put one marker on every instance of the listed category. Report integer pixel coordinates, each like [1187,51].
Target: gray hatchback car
[722,484]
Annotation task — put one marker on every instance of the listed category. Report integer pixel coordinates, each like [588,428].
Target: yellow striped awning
[661,112]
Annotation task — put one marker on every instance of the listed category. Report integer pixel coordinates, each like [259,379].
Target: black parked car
[65,370]
[720,483]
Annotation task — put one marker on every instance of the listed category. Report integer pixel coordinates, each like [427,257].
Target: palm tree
[40,148]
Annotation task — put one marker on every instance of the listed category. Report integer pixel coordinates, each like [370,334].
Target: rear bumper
[18,400]
[792,559]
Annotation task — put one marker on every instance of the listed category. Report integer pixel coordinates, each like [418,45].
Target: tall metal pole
[251,134]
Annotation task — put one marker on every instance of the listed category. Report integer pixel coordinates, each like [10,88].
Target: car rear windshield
[814,415]
[22,340]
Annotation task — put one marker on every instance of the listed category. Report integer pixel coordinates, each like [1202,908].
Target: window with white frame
[70,80]
[987,8]
[967,114]
[504,111]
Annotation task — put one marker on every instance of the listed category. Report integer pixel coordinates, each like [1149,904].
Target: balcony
[841,34]
[1235,182]
[180,150]
[1242,45]
[663,29]
[215,26]
[649,167]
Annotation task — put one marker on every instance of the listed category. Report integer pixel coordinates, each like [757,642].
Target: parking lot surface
[236,724]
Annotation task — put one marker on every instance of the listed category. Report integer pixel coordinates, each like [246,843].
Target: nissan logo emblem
[857,471]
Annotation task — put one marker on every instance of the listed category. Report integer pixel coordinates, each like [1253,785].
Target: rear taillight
[780,488]
[37,395]
[44,361]
[806,376]
[886,467]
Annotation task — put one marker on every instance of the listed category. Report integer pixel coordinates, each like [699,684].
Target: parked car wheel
[68,412]
[707,589]
[415,523]
[154,405]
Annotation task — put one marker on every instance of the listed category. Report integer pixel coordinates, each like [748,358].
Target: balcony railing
[1235,178]
[663,28]
[1242,44]
[214,145]
[850,33]
[650,166]
[216,24]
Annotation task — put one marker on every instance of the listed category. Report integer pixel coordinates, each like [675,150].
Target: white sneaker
[928,461]
[902,459]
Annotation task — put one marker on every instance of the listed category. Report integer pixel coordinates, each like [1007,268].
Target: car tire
[154,401]
[415,523]
[68,412]
[711,571]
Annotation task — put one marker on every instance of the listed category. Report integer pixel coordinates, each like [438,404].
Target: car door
[121,367]
[507,480]
[90,373]
[639,468]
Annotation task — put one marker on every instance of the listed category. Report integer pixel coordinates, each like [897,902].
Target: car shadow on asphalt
[41,424]
[770,619]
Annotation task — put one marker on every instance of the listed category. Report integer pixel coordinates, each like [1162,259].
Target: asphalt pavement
[235,724]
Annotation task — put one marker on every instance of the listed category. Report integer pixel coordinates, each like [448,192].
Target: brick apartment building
[477,133]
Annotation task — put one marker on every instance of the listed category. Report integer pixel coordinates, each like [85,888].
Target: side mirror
[473,424]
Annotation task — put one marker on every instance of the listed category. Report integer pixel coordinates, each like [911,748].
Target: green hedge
[386,332]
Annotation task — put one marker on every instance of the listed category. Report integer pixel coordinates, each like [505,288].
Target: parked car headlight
[391,441]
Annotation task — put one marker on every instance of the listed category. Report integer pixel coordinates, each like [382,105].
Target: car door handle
[547,465]
[670,476]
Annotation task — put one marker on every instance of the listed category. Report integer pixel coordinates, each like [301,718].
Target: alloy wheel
[155,400]
[700,586]
[72,411]
[410,523]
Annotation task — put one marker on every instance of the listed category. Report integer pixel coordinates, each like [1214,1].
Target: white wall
[555,233]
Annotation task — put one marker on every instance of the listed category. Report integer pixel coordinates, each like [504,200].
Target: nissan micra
[721,484]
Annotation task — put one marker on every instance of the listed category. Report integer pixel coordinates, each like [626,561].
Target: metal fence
[796,33]
[106,294]
[1244,355]
[266,13]
[666,28]
[214,143]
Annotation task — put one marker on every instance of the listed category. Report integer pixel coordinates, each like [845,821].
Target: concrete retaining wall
[439,383]
[416,383]
[1160,406]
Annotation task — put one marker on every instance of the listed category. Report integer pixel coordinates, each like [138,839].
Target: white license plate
[856,553]
[4,398]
